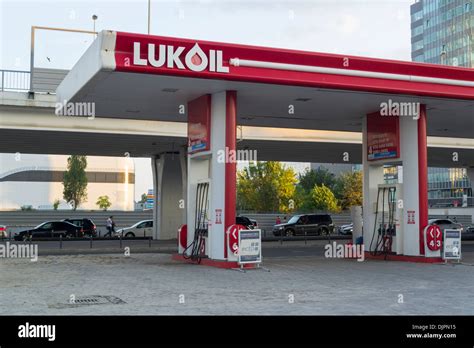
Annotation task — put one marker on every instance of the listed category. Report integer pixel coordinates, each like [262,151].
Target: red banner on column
[199,123]
[383,137]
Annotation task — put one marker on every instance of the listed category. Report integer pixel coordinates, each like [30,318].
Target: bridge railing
[14,80]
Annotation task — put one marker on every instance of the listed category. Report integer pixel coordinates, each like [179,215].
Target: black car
[245,221]
[51,229]
[88,226]
[309,224]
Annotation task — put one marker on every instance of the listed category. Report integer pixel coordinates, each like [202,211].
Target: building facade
[36,182]
[442,32]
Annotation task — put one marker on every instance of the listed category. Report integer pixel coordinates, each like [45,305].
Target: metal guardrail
[14,80]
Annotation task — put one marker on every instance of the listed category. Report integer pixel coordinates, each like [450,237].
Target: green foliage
[266,186]
[144,198]
[351,184]
[324,199]
[103,202]
[316,177]
[307,182]
[56,204]
[75,181]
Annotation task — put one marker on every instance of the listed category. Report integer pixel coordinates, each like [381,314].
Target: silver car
[142,228]
[446,224]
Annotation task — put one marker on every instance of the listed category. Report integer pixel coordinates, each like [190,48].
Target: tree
[307,181]
[103,202]
[144,198]
[316,177]
[75,181]
[265,187]
[351,184]
[324,199]
[56,204]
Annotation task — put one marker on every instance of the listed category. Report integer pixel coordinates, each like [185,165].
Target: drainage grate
[89,301]
[96,300]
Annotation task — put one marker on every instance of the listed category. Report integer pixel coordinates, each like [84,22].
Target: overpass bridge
[43,132]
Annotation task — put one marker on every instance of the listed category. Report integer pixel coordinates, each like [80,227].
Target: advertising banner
[383,137]
[250,246]
[452,245]
[199,119]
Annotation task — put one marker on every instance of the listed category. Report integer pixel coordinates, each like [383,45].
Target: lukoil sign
[168,55]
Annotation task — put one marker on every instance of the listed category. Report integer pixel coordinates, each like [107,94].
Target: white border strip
[357,73]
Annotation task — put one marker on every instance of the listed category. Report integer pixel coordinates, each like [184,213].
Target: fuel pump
[388,235]
[201,226]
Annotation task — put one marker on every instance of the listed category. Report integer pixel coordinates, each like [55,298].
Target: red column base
[212,263]
[404,258]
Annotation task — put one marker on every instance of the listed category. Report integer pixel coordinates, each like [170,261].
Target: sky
[372,28]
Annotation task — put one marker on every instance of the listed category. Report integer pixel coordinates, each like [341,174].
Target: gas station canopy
[151,77]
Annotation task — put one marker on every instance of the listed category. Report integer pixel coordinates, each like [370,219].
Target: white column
[409,156]
[217,175]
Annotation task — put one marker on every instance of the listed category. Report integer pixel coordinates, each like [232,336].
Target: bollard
[60,241]
[120,237]
[149,242]
[91,241]
[305,236]
[100,232]
[281,237]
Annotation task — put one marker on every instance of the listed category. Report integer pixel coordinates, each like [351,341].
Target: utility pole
[149,8]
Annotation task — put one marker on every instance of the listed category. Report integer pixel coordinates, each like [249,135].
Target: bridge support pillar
[169,188]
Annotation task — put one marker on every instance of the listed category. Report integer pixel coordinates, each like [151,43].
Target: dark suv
[245,221]
[310,224]
[88,226]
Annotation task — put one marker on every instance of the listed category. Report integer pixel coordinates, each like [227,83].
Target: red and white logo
[411,217]
[218,216]
[172,57]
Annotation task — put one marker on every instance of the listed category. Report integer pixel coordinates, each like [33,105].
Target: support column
[212,158]
[222,171]
[373,176]
[169,184]
[413,150]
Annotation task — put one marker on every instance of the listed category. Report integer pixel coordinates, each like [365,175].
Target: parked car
[470,229]
[254,223]
[88,226]
[310,224]
[51,229]
[3,231]
[346,229]
[142,228]
[445,224]
[245,221]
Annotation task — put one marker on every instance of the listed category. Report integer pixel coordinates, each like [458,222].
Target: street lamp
[94,18]
[149,8]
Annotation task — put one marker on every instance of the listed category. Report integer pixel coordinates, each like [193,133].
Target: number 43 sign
[434,237]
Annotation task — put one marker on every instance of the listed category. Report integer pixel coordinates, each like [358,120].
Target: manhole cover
[90,300]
